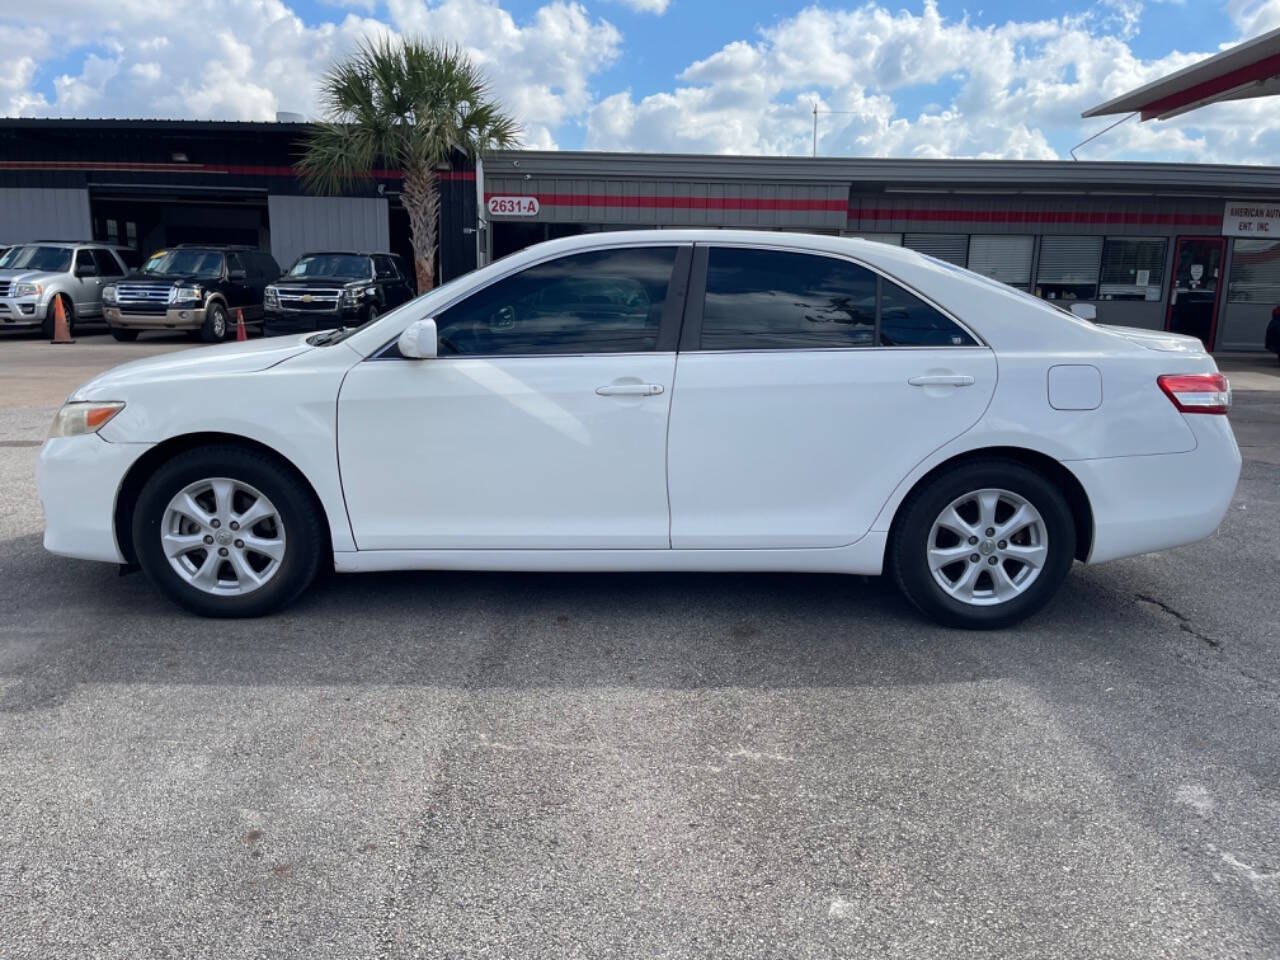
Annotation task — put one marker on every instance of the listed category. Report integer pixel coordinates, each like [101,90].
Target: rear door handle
[630,390]
[942,380]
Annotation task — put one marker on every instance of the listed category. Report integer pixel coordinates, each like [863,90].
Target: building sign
[1251,219]
[518,207]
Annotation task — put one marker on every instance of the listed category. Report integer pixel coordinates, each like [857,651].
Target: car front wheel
[214,329]
[984,545]
[227,532]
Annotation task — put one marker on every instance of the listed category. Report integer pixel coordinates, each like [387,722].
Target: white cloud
[246,59]
[648,6]
[1011,90]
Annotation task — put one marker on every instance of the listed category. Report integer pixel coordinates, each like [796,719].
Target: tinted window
[606,301]
[344,265]
[107,265]
[234,264]
[384,268]
[767,299]
[84,258]
[907,321]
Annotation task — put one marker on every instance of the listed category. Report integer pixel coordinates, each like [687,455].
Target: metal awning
[1250,69]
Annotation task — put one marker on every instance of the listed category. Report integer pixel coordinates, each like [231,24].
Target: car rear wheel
[214,329]
[124,336]
[983,546]
[227,532]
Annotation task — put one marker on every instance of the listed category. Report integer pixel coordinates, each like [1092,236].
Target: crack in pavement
[1184,622]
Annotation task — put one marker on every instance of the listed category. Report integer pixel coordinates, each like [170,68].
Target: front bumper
[278,321]
[78,479]
[174,318]
[23,312]
[1143,504]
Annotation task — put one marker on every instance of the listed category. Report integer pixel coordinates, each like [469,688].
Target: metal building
[1185,247]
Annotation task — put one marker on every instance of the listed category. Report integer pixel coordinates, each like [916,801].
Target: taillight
[1197,392]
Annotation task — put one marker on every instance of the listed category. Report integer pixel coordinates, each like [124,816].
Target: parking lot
[675,765]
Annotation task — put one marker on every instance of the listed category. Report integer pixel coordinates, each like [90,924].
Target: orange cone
[240,331]
[61,329]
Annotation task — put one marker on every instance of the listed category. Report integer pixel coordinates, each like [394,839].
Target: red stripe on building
[243,170]
[1075,217]
[680,203]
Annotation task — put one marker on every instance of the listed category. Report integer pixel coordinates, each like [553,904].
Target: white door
[813,387]
[542,424]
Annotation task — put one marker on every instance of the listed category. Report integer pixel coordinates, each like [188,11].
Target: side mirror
[418,342]
[1085,311]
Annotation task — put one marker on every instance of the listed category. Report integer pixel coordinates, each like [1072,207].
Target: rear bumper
[187,318]
[1144,504]
[78,479]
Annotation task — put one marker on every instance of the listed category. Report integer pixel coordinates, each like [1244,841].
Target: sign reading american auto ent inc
[1251,219]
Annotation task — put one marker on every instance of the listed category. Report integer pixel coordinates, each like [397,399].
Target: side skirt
[866,556]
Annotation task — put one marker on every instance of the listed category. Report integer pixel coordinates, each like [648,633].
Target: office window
[1003,258]
[1255,272]
[1132,268]
[1069,268]
[951,247]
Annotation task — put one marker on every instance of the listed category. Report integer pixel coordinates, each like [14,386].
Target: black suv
[335,289]
[194,287]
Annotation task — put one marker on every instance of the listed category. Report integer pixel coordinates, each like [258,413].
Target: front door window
[1193,300]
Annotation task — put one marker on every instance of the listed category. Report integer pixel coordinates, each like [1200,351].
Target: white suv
[34,275]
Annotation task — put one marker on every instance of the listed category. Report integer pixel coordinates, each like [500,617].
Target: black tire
[910,541]
[370,314]
[123,335]
[47,324]
[301,517]
[214,329]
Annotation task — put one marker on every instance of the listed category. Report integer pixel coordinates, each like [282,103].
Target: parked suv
[335,289]
[193,287]
[33,276]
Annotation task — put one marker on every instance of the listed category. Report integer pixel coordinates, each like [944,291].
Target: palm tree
[407,105]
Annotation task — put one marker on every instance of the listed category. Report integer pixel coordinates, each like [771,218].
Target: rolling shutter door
[1003,258]
[951,247]
[1069,260]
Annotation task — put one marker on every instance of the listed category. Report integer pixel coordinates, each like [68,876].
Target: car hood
[249,356]
[1157,339]
[164,280]
[319,281]
[15,275]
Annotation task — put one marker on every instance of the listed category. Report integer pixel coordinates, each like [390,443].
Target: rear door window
[907,321]
[108,266]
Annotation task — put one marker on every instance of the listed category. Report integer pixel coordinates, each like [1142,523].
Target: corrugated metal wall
[679,202]
[44,214]
[300,224]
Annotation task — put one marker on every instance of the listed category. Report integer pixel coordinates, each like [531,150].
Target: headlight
[109,293]
[355,294]
[26,290]
[271,297]
[184,294]
[75,419]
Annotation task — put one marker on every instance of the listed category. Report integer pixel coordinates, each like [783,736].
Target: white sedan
[665,400]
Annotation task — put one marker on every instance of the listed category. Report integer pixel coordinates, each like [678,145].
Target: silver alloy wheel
[219,324]
[987,547]
[223,536]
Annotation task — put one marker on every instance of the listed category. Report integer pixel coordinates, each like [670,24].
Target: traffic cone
[61,329]
[240,331]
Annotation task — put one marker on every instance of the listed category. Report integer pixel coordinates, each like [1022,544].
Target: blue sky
[917,78]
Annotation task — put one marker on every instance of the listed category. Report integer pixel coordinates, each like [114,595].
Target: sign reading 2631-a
[513,206]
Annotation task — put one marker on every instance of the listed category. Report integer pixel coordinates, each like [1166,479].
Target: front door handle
[942,380]
[630,390]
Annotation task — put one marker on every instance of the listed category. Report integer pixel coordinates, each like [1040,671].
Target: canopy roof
[1250,69]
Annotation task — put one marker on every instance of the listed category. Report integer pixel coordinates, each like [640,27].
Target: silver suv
[34,275]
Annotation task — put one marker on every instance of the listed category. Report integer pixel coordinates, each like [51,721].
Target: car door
[542,424]
[240,288]
[394,290]
[807,388]
[110,270]
[86,285]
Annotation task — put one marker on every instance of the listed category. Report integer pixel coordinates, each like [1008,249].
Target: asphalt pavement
[527,766]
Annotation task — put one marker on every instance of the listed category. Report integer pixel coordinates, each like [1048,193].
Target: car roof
[346,253]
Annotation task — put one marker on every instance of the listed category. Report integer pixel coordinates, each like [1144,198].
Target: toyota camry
[657,400]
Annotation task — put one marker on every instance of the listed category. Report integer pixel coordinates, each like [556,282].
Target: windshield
[48,259]
[184,263]
[331,265]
